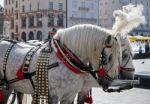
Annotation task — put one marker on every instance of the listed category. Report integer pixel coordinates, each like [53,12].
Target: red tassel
[120,68]
[2,97]
[20,74]
[102,72]
[89,100]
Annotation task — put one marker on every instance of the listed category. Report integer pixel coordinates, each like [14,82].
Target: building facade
[1,20]
[82,12]
[34,19]
[108,6]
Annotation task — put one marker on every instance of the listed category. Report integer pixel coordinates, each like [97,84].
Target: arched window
[23,36]
[39,35]
[31,36]
[12,36]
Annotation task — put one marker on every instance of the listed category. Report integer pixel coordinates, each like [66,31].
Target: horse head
[83,41]
[127,18]
[126,67]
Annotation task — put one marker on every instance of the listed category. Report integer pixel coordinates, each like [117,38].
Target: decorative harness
[68,58]
[73,63]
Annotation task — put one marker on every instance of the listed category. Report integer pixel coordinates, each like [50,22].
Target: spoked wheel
[12,97]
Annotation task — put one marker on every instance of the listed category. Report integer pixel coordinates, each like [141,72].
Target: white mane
[77,40]
[128,18]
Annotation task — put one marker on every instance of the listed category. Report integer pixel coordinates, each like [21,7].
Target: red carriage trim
[20,74]
[2,97]
[66,61]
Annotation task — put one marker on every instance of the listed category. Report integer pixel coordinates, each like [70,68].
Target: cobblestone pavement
[133,96]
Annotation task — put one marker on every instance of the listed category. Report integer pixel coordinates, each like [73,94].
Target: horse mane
[76,38]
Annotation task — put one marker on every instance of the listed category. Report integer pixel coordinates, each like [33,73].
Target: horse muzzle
[127,73]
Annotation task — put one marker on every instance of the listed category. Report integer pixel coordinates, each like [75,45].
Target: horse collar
[69,59]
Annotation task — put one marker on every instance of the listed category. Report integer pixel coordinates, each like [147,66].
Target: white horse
[126,19]
[75,39]
[126,67]
[84,41]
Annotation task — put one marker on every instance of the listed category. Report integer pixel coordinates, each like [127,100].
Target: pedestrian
[147,48]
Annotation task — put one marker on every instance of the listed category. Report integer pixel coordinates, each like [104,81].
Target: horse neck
[86,47]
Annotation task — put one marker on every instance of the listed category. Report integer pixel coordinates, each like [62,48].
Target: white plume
[128,18]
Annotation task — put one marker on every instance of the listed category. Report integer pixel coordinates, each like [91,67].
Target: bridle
[65,54]
[123,56]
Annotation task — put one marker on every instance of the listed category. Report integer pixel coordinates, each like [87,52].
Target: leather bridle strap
[5,81]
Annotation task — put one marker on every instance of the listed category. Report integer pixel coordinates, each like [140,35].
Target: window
[92,15]
[23,36]
[74,4]
[16,28]
[16,4]
[92,6]
[39,20]
[12,11]
[147,26]
[9,1]
[23,8]
[83,4]
[50,20]
[60,6]
[30,7]
[38,5]
[6,11]
[39,36]
[31,36]
[12,1]
[51,5]
[23,22]
[12,24]
[113,2]
[31,21]
[6,2]
[60,20]
[74,14]
[16,15]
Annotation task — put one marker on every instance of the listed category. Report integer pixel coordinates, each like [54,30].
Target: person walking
[147,48]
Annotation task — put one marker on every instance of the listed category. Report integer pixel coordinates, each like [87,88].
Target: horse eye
[110,58]
[124,56]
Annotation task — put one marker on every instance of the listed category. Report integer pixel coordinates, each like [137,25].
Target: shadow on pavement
[144,84]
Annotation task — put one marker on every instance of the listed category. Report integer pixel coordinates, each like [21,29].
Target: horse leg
[81,97]
[7,93]
[20,97]
[53,99]
[69,99]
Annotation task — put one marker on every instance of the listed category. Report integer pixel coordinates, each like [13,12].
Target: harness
[74,64]
[23,71]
